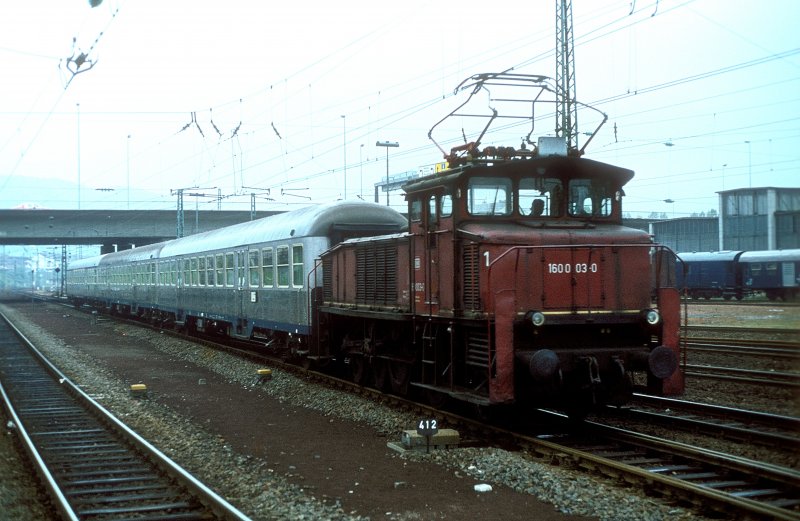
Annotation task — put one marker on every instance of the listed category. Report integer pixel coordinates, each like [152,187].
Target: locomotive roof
[771,255]
[311,221]
[550,166]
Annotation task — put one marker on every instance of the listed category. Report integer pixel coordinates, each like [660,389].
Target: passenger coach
[247,280]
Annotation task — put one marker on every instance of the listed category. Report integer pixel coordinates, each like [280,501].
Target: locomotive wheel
[380,374]
[357,369]
[400,375]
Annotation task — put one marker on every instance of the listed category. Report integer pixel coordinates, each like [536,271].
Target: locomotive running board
[460,395]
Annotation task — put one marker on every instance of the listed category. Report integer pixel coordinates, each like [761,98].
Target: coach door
[181,276]
[242,293]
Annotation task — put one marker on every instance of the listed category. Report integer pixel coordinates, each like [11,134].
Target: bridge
[112,229]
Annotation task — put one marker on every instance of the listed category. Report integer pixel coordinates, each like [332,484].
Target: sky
[286,100]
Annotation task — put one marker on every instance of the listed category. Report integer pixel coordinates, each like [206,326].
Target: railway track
[750,376]
[738,335]
[706,480]
[758,348]
[92,465]
[711,481]
[715,420]
[757,302]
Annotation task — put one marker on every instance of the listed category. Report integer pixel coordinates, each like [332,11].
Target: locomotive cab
[541,293]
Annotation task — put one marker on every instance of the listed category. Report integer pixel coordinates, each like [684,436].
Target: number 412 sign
[427,427]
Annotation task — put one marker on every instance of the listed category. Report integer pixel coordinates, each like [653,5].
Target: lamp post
[78,108]
[671,202]
[128,161]
[361,171]
[344,152]
[749,165]
[724,166]
[387,145]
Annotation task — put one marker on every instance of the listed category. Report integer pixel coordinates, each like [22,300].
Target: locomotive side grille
[477,349]
[327,278]
[376,275]
[471,287]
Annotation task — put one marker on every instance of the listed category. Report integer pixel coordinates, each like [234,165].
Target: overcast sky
[242,95]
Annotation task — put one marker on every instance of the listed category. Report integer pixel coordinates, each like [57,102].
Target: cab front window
[489,196]
[540,196]
[590,198]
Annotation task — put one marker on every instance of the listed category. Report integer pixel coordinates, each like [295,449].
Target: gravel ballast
[290,449]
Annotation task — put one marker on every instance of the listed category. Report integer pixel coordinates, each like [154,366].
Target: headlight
[537,318]
[653,317]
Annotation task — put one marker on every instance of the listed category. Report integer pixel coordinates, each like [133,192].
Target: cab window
[540,196]
[489,196]
[590,198]
[447,205]
[433,215]
[416,210]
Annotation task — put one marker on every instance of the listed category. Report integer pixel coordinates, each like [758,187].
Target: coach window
[489,196]
[241,269]
[267,268]
[219,276]
[297,266]
[282,263]
[201,271]
[230,279]
[210,270]
[194,271]
[254,267]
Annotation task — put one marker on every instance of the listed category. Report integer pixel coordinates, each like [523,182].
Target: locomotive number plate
[578,267]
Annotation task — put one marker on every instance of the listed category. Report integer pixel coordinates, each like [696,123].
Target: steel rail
[55,480]
[554,449]
[740,424]
[774,378]
[751,478]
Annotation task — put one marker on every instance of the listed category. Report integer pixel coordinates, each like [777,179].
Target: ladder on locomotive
[429,340]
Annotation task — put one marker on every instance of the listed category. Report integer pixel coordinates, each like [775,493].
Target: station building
[749,219]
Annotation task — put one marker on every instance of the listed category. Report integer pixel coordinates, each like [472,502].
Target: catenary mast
[566,109]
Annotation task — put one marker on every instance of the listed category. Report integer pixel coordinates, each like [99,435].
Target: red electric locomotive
[516,282]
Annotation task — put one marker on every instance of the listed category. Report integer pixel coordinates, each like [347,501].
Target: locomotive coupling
[542,364]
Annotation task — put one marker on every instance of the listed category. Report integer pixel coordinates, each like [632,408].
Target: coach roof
[311,221]
[713,256]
